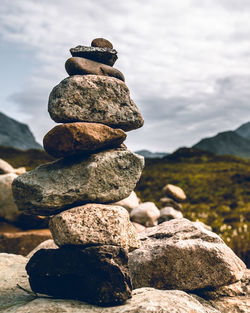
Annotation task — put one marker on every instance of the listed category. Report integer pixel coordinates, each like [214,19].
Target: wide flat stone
[81,66]
[179,254]
[103,55]
[94,224]
[149,300]
[94,98]
[73,138]
[97,274]
[105,177]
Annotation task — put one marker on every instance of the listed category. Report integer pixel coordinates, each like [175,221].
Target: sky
[186,62]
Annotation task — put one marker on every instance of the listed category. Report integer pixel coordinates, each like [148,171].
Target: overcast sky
[186,62]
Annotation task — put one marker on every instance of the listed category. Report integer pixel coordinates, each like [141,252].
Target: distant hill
[244,130]
[228,142]
[16,135]
[152,155]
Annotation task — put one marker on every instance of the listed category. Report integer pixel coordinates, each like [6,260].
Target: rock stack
[94,170]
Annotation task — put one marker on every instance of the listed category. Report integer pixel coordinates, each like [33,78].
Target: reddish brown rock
[71,138]
[22,242]
[101,43]
[82,66]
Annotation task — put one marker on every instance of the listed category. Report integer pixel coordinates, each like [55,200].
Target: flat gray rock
[94,224]
[179,254]
[104,177]
[99,54]
[94,98]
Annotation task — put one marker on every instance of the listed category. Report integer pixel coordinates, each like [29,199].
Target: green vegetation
[27,158]
[217,187]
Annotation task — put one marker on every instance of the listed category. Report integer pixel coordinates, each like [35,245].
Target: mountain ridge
[16,135]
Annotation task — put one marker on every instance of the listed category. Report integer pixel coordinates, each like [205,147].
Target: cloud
[186,62]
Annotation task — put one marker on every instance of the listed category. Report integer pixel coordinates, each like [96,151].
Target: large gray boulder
[8,208]
[104,177]
[15,300]
[94,98]
[179,254]
[94,224]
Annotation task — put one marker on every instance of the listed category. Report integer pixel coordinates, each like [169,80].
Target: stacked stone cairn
[95,169]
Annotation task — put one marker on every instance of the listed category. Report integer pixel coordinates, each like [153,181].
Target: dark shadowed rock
[103,55]
[182,255]
[101,43]
[97,274]
[15,134]
[105,177]
[81,66]
[73,138]
[94,224]
[94,98]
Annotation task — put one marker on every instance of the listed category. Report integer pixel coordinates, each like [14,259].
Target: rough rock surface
[129,203]
[165,201]
[5,167]
[81,66]
[101,43]
[104,177]
[22,242]
[96,274]
[144,300]
[175,192]
[181,255]
[8,208]
[169,213]
[94,224]
[103,55]
[146,214]
[47,244]
[72,138]
[94,98]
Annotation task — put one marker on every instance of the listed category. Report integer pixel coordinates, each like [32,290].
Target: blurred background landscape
[187,66]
